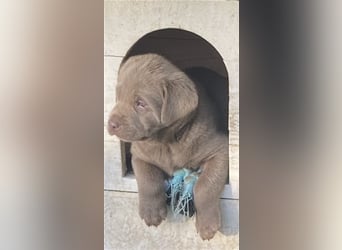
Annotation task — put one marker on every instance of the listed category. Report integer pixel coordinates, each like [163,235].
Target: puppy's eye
[140,104]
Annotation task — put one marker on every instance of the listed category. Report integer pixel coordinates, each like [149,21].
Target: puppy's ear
[179,98]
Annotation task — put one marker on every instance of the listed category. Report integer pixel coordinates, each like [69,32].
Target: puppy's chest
[167,157]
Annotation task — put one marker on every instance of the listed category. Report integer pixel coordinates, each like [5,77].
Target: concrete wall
[125,23]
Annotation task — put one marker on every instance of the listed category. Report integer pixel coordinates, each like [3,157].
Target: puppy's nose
[114,125]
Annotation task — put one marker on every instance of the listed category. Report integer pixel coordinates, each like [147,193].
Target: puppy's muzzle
[113,125]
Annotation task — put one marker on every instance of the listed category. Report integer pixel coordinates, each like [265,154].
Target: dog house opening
[198,59]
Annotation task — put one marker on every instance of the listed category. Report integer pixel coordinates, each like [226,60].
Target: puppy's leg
[152,202]
[207,195]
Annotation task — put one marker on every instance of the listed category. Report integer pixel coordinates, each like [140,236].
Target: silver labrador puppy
[172,124]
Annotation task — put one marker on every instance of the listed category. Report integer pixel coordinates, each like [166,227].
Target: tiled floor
[125,230]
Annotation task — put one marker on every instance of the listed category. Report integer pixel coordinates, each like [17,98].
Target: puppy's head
[151,94]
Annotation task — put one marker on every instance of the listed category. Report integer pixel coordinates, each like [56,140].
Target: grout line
[119,191]
[133,192]
[113,56]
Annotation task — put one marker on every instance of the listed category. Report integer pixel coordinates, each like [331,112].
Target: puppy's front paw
[153,212]
[208,224]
